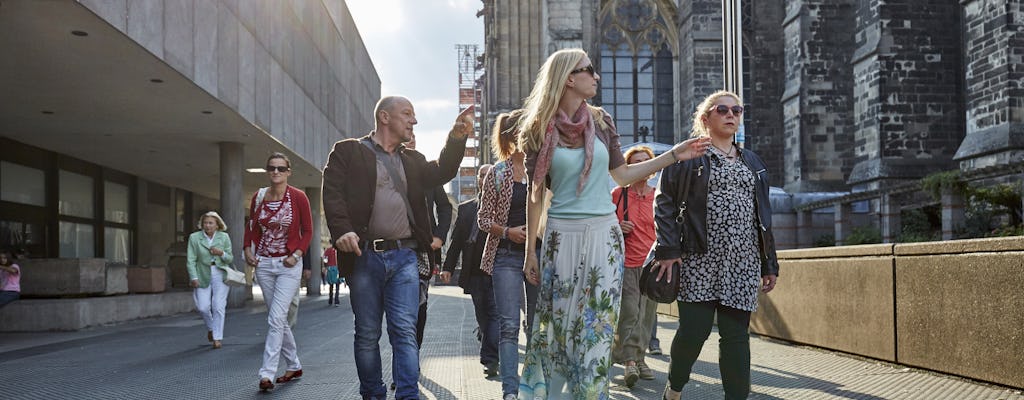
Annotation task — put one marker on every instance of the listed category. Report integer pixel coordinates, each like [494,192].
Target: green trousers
[695,321]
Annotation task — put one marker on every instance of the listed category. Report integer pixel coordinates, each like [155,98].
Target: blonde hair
[699,129]
[540,106]
[505,134]
[639,149]
[212,214]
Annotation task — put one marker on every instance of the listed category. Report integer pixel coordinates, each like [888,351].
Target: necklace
[727,154]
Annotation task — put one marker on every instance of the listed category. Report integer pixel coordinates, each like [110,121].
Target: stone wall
[513,48]
[700,57]
[947,306]
[994,72]
[763,42]
[817,103]
[907,82]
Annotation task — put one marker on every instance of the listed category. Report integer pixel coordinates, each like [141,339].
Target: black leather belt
[382,245]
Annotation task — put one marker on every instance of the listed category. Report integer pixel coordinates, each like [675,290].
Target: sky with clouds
[412,45]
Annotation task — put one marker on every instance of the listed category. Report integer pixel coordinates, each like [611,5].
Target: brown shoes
[289,375]
[266,384]
[216,344]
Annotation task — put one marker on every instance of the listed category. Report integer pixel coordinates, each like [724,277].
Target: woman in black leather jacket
[714,218]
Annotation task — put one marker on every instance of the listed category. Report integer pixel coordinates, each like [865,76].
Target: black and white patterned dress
[730,272]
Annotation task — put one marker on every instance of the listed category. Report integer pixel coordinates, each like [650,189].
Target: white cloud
[435,105]
[377,16]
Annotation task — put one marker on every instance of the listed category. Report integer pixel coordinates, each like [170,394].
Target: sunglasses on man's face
[588,69]
[271,168]
[723,109]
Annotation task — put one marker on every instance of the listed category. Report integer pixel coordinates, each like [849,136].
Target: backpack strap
[624,201]
[256,206]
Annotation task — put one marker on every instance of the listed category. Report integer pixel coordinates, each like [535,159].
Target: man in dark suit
[439,209]
[468,241]
[374,193]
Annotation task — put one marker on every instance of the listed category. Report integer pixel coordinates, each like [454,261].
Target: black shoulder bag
[664,291]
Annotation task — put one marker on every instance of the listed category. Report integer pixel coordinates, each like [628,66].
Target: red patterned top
[281,226]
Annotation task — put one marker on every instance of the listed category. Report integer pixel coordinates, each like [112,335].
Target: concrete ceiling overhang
[102,105]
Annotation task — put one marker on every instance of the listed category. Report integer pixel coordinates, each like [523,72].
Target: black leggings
[695,321]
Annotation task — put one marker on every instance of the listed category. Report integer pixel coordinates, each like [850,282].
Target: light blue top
[595,200]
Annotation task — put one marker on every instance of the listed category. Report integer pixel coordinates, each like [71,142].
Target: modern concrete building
[844,96]
[122,121]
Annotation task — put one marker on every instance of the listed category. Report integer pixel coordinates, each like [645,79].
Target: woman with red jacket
[279,230]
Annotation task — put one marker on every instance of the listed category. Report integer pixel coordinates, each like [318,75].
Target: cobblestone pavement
[169,358]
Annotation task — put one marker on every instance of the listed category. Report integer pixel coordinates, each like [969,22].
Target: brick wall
[994,83]
[763,41]
[907,108]
[817,104]
[700,57]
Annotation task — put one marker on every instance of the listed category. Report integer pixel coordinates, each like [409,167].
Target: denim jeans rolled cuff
[509,292]
[386,284]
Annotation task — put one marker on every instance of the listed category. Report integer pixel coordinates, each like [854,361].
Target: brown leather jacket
[350,179]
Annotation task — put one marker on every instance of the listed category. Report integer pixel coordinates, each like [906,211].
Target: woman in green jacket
[209,252]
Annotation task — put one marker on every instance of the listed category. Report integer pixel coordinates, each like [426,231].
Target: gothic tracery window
[636,53]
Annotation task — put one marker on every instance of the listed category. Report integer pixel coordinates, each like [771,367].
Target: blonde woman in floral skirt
[568,145]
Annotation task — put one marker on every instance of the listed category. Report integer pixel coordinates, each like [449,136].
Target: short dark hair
[281,156]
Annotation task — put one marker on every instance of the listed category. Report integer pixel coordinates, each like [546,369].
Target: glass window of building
[636,69]
[76,240]
[21,184]
[116,198]
[117,243]
[76,195]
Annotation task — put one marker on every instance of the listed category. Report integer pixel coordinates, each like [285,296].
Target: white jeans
[211,301]
[279,285]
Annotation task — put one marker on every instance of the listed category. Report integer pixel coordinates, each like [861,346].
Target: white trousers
[211,301]
[279,285]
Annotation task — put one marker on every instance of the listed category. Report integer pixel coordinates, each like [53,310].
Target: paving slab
[169,358]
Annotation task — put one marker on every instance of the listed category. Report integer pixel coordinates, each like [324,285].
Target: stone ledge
[34,315]
[864,250]
[1002,244]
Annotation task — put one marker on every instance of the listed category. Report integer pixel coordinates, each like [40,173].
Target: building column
[804,229]
[889,210]
[316,252]
[232,210]
[952,213]
[842,219]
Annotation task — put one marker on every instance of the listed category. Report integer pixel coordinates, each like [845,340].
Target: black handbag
[661,291]
[664,291]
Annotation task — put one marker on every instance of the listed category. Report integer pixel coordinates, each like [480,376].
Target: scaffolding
[470,71]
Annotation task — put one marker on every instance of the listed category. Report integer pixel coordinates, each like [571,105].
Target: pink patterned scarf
[579,130]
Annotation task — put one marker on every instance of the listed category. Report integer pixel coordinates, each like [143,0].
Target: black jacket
[466,244]
[691,236]
[349,187]
[437,201]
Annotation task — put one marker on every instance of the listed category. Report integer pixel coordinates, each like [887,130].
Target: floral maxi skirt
[581,265]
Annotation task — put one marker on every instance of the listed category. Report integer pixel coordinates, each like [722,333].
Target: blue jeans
[508,294]
[7,296]
[386,283]
[482,291]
